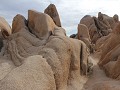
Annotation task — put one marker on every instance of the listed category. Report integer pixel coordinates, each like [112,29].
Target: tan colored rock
[83,34]
[5,27]
[102,25]
[67,57]
[68,54]
[116,70]
[40,24]
[62,61]
[92,31]
[87,20]
[107,20]
[59,31]
[83,31]
[100,42]
[109,67]
[111,43]
[23,44]
[5,67]
[95,38]
[5,31]
[52,59]
[111,55]
[106,85]
[91,25]
[112,68]
[53,13]
[35,74]
[19,22]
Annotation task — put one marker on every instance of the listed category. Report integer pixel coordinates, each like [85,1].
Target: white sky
[70,11]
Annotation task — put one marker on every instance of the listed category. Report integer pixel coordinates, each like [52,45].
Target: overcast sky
[70,11]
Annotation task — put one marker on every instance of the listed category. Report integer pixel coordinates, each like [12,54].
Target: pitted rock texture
[41,56]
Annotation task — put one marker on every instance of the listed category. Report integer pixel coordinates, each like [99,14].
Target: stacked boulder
[110,54]
[53,13]
[39,56]
[94,31]
[99,27]
[83,34]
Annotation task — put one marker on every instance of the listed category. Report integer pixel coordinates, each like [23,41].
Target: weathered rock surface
[90,23]
[40,24]
[111,42]
[19,22]
[83,34]
[34,73]
[104,32]
[110,54]
[5,30]
[43,57]
[37,55]
[5,27]
[53,13]
[99,26]
[110,22]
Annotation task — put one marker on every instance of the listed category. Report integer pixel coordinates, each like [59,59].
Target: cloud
[71,11]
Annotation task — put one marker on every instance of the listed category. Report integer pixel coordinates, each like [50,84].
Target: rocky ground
[36,54]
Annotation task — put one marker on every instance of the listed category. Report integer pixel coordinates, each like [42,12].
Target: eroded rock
[65,60]
[40,24]
[53,13]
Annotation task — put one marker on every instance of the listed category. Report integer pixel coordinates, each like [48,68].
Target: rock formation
[83,34]
[36,53]
[29,76]
[90,23]
[39,51]
[53,13]
[110,54]
[5,30]
[99,26]
[40,24]
[5,27]
[102,33]
[111,43]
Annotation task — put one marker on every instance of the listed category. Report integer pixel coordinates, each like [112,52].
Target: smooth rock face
[19,22]
[40,24]
[83,34]
[5,27]
[83,31]
[53,13]
[5,31]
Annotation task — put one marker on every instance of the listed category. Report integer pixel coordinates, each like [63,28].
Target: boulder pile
[36,54]
[110,54]
[97,28]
